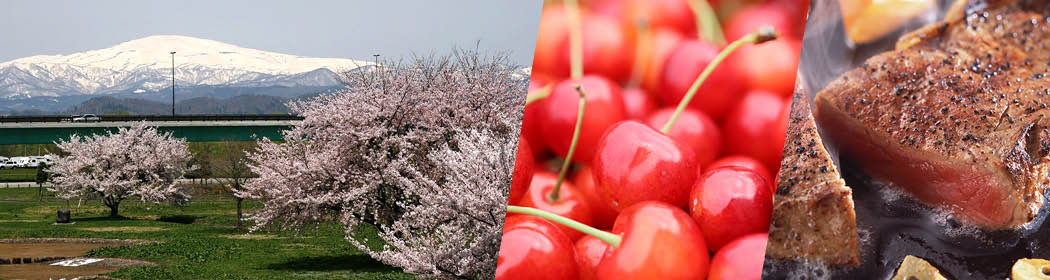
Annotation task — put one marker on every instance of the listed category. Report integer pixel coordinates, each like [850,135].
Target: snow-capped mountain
[144,65]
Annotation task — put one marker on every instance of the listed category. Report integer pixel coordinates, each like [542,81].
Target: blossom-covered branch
[136,161]
[371,154]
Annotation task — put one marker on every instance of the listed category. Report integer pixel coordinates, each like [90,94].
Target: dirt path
[32,258]
[48,271]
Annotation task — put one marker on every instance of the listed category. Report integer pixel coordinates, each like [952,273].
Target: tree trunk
[239,200]
[40,192]
[113,205]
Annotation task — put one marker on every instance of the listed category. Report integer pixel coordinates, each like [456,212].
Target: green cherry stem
[555,193]
[575,38]
[707,26]
[760,35]
[611,238]
[537,95]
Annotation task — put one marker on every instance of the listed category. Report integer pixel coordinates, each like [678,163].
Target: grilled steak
[956,115]
[813,214]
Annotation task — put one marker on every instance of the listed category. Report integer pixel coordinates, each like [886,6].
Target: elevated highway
[197,128]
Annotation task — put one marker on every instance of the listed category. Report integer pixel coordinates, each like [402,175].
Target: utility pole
[375,70]
[172,84]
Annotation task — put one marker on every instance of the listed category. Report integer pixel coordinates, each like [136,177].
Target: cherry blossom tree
[136,161]
[409,148]
[454,223]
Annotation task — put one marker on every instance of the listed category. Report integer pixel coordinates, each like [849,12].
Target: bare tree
[232,168]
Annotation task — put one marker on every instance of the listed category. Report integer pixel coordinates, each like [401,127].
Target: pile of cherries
[650,141]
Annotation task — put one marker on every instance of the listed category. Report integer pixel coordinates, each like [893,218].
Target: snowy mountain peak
[145,64]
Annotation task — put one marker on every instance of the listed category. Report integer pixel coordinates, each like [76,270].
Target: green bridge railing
[48,135]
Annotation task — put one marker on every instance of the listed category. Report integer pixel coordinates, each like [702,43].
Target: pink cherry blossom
[421,150]
[136,161]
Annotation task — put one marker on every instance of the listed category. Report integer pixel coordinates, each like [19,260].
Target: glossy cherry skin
[660,241]
[684,65]
[604,108]
[636,163]
[524,167]
[745,162]
[532,120]
[741,259]
[770,66]
[672,14]
[730,202]
[637,103]
[607,51]
[748,19]
[659,45]
[589,252]
[571,204]
[533,248]
[780,133]
[604,215]
[750,128]
[551,37]
[694,128]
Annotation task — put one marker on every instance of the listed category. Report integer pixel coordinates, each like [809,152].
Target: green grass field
[18,175]
[198,242]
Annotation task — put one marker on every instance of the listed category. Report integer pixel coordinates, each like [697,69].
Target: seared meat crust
[813,214]
[957,115]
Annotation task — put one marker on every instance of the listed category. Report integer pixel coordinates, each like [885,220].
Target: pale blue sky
[353,29]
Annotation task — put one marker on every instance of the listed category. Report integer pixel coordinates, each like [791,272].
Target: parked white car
[46,160]
[26,162]
[7,164]
[86,118]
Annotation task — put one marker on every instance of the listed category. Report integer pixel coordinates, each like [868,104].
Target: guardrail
[4,185]
[177,118]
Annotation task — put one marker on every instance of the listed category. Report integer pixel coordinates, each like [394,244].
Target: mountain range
[142,69]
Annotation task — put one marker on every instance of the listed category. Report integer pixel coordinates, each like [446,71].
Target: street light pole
[375,70]
[172,84]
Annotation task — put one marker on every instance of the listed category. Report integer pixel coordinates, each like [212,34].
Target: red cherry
[607,51]
[745,162]
[524,167]
[780,133]
[730,202]
[636,163]
[684,65]
[604,215]
[672,14]
[750,18]
[750,127]
[796,10]
[741,259]
[551,37]
[770,66]
[660,241]
[533,248]
[570,204]
[604,108]
[532,120]
[637,103]
[694,128]
[589,252]
[660,43]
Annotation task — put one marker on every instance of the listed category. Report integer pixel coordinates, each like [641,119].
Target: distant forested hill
[243,104]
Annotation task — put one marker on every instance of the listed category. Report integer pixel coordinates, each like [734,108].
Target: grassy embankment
[197,242]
